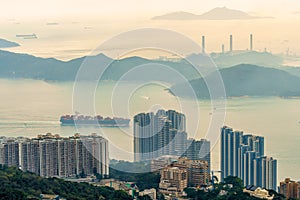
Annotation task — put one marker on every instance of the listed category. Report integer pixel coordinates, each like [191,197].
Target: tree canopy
[232,186]
[17,185]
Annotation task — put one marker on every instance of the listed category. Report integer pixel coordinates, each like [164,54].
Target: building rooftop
[258,192]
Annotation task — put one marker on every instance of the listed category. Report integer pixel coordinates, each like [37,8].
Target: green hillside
[16,185]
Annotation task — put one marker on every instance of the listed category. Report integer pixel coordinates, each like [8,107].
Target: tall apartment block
[199,150]
[243,156]
[265,172]
[230,144]
[11,155]
[30,157]
[162,133]
[51,155]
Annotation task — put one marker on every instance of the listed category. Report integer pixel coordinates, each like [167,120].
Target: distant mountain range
[6,44]
[240,80]
[15,65]
[246,80]
[220,13]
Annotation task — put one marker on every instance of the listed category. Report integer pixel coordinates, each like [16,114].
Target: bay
[31,107]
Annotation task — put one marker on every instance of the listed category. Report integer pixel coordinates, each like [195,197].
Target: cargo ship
[93,120]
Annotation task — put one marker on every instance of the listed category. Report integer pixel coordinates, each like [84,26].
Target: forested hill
[245,80]
[16,65]
[16,185]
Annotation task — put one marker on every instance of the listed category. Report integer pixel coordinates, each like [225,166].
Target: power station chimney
[203,44]
[231,45]
[251,42]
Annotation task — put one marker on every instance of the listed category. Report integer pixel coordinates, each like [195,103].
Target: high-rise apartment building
[48,157]
[30,156]
[144,137]
[249,167]
[67,157]
[199,150]
[162,133]
[178,120]
[265,174]
[230,143]
[51,155]
[11,153]
[181,143]
[98,159]
[243,156]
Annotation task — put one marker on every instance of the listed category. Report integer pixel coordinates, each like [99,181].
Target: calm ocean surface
[31,107]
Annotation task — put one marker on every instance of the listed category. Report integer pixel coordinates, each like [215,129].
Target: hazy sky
[71,8]
[80,26]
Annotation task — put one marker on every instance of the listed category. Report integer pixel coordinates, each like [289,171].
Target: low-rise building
[173,180]
[159,163]
[51,197]
[258,192]
[150,192]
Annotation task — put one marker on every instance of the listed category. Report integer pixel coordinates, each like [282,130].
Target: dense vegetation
[233,193]
[138,172]
[16,184]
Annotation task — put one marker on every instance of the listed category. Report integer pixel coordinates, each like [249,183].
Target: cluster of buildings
[159,134]
[164,134]
[242,155]
[161,138]
[54,156]
[183,173]
[128,187]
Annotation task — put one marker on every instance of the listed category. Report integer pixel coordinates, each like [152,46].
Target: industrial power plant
[231,49]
